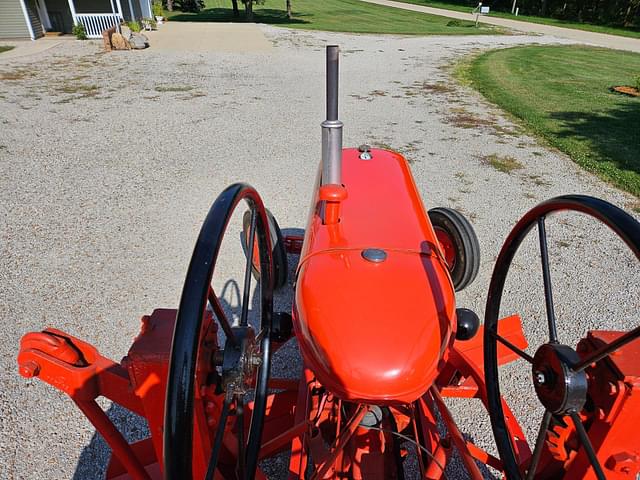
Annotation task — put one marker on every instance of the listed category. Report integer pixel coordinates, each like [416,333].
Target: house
[32,18]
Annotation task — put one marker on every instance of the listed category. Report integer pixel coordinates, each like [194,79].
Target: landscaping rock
[106,38]
[118,42]
[138,41]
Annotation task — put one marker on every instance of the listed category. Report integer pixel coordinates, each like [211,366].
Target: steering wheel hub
[559,388]
[240,359]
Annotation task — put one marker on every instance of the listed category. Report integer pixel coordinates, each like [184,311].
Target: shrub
[157,9]
[638,83]
[190,5]
[79,31]
[151,22]
[134,26]
[460,23]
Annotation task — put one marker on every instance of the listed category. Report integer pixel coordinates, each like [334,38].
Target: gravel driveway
[109,163]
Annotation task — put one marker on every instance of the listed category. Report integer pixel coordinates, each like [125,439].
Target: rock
[138,41]
[125,31]
[106,38]
[119,42]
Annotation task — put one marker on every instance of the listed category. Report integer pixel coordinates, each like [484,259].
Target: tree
[236,12]
[184,5]
[289,15]
[248,8]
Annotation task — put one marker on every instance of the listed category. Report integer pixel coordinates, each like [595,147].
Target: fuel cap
[374,255]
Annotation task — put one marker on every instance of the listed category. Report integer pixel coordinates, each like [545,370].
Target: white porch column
[119,9]
[44,15]
[115,17]
[119,13]
[113,8]
[131,12]
[28,20]
[72,7]
[147,4]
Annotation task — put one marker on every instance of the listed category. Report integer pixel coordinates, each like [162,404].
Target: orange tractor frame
[381,339]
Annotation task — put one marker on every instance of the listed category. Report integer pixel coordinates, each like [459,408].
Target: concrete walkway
[209,37]
[601,39]
[23,48]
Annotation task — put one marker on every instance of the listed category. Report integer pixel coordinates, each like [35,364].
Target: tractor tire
[454,230]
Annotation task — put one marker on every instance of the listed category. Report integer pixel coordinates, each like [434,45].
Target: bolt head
[539,378]
[29,369]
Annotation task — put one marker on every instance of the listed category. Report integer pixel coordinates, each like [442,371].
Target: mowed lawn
[562,93]
[337,16]
[632,32]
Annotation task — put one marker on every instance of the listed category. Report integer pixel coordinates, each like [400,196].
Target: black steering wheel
[558,371]
[245,359]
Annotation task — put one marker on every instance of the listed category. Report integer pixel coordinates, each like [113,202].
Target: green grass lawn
[624,32]
[5,48]
[561,93]
[337,16]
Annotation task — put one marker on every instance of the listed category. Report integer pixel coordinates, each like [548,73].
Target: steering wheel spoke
[586,444]
[608,349]
[221,316]
[240,436]
[546,277]
[217,442]
[540,440]
[521,353]
[247,272]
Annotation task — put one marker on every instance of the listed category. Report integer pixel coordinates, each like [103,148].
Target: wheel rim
[447,246]
[628,229]
[197,291]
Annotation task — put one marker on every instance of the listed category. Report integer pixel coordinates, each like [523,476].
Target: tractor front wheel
[458,243]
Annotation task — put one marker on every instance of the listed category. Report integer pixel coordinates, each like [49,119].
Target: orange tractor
[382,343]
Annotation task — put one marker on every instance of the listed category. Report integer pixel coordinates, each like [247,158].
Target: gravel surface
[109,163]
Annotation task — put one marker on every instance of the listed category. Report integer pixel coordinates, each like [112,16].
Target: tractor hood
[374,330]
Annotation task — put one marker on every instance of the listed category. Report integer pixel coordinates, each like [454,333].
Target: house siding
[12,21]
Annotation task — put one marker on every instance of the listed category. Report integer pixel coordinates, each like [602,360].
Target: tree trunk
[236,12]
[628,17]
[543,8]
[248,7]
[170,5]
[289,15]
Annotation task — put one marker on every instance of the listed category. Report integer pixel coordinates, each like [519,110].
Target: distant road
[602,39]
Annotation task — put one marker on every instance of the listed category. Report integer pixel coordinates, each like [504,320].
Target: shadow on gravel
[262,15]
[286,363]
[94,458]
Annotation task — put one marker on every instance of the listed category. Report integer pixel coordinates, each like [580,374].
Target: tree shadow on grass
[262,15]
[613,135]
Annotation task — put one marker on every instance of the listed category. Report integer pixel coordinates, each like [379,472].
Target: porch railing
[96,23]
